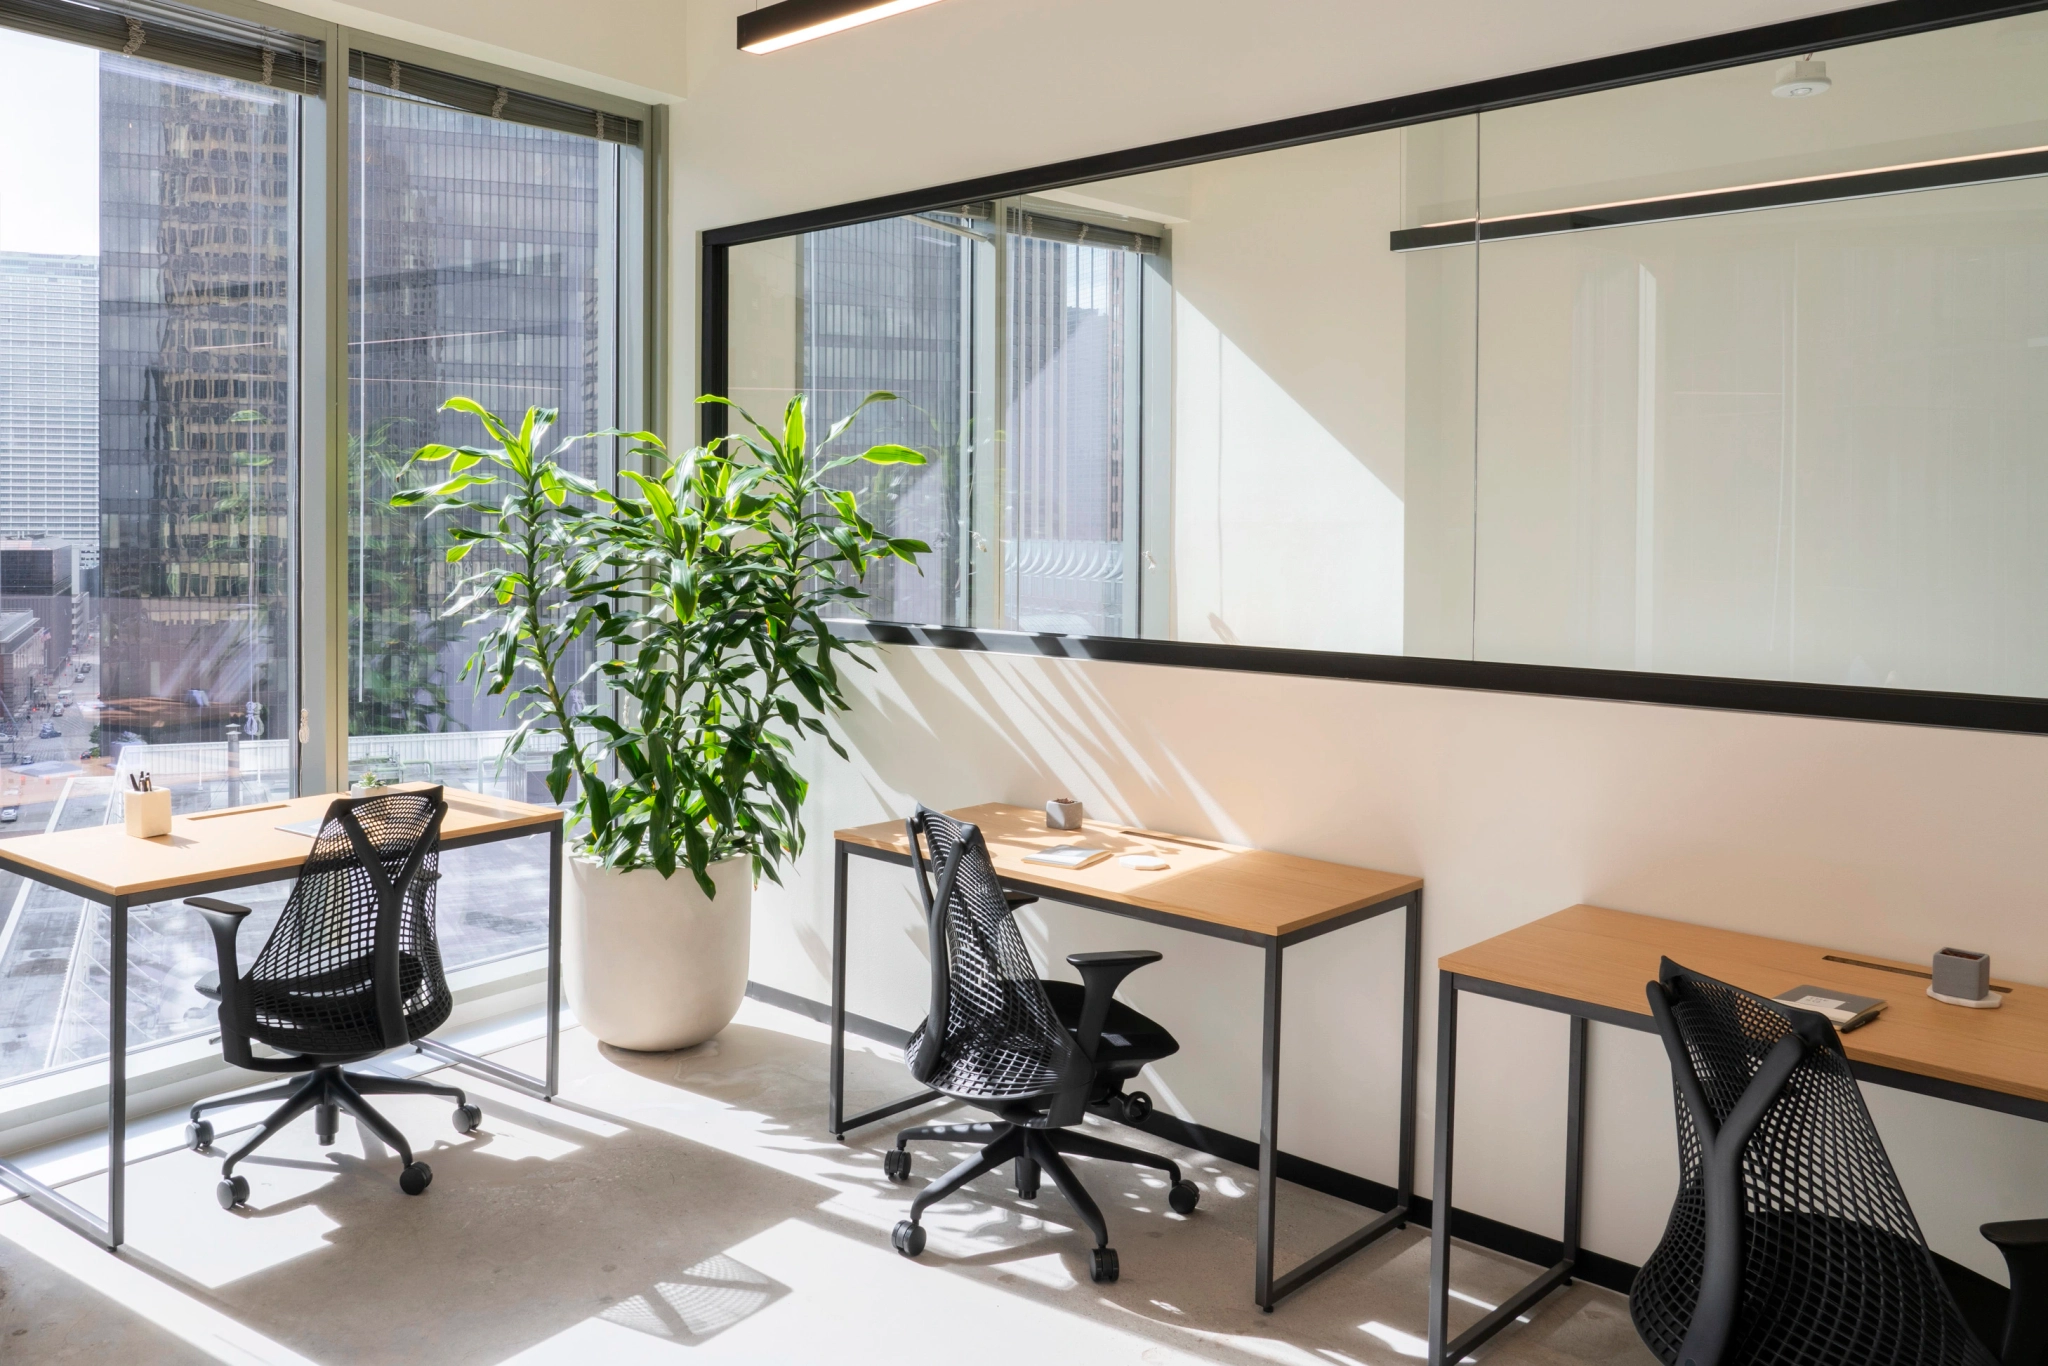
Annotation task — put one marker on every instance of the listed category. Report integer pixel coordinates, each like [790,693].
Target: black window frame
[1794,38]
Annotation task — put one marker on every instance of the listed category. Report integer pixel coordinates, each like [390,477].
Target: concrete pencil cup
[1963,978]
[147,814]
[1063,813]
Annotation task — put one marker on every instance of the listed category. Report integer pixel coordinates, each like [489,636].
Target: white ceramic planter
[649,962]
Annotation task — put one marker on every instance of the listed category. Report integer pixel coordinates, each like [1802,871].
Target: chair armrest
[2024,1243]
[1101,974]
[1016,899]
[225,918]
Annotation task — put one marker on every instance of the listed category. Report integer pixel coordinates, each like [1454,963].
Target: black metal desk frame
[110,1232]
[1268,1289]
[1581,1014]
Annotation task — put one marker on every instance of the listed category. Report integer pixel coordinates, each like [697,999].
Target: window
[489,257]
[1013,336]
[148,434]
[1706,376]
[160,353]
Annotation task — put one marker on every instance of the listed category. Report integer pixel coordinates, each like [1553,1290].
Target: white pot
[651,963]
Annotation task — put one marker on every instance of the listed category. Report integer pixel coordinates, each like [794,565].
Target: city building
[197,423]
[49,400]
[23,655]
[42,577]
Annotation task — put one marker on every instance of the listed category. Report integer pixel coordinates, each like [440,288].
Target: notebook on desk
[1067,856]
[1846,1011]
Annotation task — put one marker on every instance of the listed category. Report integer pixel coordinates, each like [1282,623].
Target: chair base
[327,1090]
[1034,1151]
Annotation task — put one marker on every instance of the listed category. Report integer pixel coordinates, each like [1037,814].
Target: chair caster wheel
[1137,1109]
[199,1135]
[1184,1196]
[232,1191]
[415,1178]
[467,1117]
[1102,1265]
[908,1238]
[896,1164]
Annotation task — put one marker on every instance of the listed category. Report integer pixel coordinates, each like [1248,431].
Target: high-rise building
[197,206]
[477,269]
[49,399]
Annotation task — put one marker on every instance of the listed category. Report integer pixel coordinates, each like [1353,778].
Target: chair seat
[1129,1039]
[335,1011]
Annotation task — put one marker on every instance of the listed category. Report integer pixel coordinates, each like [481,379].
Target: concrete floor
[688,1207]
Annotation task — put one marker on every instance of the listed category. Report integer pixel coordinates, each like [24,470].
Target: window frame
[1794,38]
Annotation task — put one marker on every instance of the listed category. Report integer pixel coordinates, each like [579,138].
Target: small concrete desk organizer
[147,814]
[1963,978]
[1063,813]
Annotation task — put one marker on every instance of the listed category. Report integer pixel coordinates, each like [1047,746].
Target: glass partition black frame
[1899,18]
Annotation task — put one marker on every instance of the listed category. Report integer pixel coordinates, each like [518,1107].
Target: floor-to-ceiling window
[173,190]
[486,262]
[149,438]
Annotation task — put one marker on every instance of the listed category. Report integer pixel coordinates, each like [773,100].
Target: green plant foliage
[706,579]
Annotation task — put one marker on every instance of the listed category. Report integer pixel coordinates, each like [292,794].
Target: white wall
[1893,840]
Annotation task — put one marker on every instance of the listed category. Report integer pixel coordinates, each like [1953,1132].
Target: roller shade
[176,36]
[388,75]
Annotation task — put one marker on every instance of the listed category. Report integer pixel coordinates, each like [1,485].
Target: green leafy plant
[706,580]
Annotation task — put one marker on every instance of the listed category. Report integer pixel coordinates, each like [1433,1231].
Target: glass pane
[1800,443]
[149,440]
[1070,534]
[484,261]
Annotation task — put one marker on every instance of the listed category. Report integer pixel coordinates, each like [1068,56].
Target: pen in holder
[148,814]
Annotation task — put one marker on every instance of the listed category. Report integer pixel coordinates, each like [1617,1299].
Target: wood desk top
[1251,890]
[208,846]
[1607,958]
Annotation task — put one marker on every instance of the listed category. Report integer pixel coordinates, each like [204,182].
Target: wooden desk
[1252,896]
[214,851]
[1593,964]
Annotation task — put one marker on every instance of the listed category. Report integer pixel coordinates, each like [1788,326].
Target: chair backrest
[353,965]
[991,1032]
[1791,1239]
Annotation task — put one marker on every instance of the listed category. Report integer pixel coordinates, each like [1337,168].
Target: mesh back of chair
[1001,1038]
[1834,1270]
[313,985]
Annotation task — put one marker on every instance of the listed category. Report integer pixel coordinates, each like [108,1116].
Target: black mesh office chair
[1036,1054]
[351,970]
[1791,1240]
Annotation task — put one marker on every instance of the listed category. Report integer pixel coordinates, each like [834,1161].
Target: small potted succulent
[704,580]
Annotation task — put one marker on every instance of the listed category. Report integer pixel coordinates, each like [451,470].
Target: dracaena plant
[706,581]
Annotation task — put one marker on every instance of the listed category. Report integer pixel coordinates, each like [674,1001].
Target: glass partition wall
[1734,374]
[164,480]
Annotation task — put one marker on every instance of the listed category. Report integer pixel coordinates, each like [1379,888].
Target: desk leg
[554,1075]
[1442,1350]
[837,1122]
[1411,1029]
[1269,1130]
[117,1072]
[549,1083]
[1440,1195]
[1574,1139]
[835,1093]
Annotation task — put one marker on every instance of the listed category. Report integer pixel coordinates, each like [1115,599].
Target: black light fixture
[774,27]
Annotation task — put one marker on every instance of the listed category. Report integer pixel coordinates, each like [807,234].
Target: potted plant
[704,581]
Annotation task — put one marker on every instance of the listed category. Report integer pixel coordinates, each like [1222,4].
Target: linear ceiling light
[798,21]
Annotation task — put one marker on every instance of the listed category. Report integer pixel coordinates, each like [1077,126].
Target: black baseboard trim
[822,1013]
[1610,1273]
